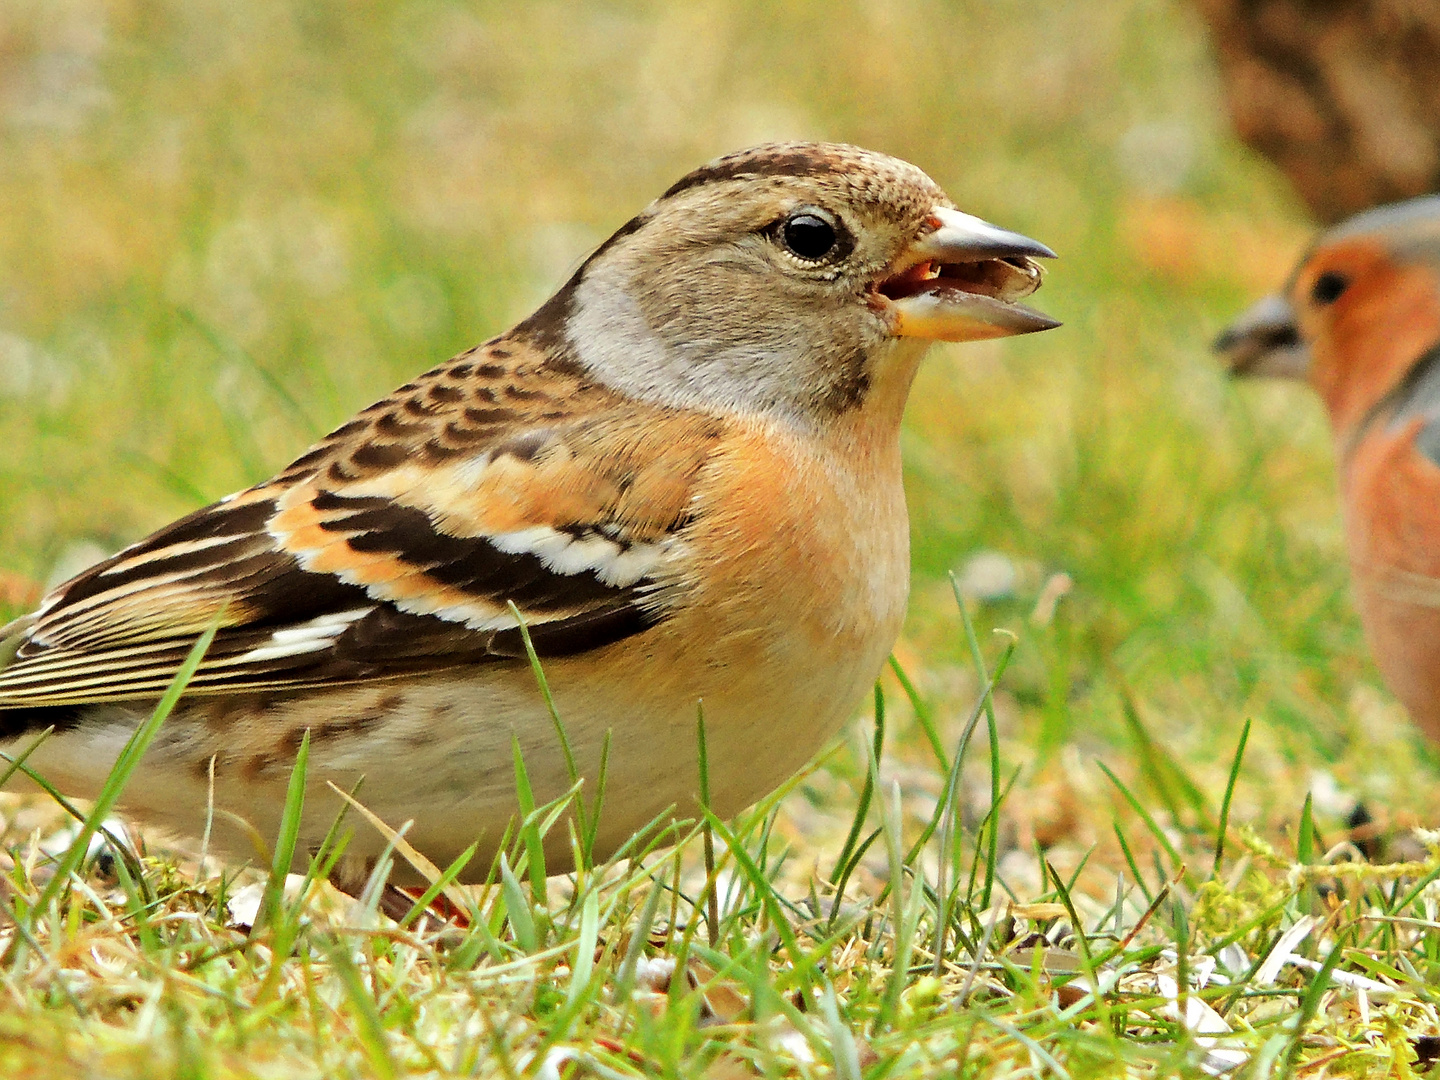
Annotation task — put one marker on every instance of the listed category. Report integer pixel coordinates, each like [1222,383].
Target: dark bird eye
[808,236]
[1328,287]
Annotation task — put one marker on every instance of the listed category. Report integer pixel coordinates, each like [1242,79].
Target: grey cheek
[614,339]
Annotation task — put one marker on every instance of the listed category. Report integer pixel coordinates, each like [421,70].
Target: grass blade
[625,977]
[18,761]
[1305,842]
[1310,1003]
[529,827]
[867,792]
[922,712]
[522,917]
[1225,802]
[1130,861]
[440,884]
[125,765]
[544,684]
[843,1055]
[370,1028]
[1144,815]
[583,965]
[1163,771]
[117,845]
[285,842]
[707,834]
[892,822]
[771,903]
[592,833]
[993,852]
[423,866]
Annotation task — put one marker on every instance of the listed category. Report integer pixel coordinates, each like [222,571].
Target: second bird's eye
[1328,287]
[808,236]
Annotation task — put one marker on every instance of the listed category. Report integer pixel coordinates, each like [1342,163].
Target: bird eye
[808,236]
[1328,287]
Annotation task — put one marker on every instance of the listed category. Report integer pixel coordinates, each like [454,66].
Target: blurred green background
[226,226]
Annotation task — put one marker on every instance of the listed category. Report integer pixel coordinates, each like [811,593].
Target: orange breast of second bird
[1392,514]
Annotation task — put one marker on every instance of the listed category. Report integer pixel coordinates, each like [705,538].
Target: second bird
[1360,321]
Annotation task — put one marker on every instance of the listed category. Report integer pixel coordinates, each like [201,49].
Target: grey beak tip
[1037,321]
[1224,341]
[1227,346]
[1014,245]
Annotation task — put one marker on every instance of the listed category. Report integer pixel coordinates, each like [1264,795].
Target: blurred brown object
[1342,95]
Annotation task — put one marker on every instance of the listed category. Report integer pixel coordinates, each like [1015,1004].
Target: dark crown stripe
[800,160]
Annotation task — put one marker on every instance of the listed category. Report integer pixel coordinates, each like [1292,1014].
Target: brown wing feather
[394,545]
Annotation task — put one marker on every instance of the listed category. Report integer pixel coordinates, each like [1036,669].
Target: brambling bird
[1360,321]
[683,471]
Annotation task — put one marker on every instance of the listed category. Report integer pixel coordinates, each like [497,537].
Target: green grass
[620,968]
[223,228]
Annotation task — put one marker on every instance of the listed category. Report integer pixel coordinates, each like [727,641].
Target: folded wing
[397,545]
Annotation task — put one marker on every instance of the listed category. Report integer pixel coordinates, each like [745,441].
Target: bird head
[1357,315]
[797,279]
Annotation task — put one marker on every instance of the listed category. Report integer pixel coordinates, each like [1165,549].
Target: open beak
[960,282]
[1265,340]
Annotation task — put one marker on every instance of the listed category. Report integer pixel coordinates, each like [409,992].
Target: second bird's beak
[961,279]
[1265,340]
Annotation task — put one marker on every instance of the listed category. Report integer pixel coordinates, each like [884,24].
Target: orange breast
[1392,514]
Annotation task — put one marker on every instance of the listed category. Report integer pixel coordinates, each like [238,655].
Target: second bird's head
[786,279]
[1356,318]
